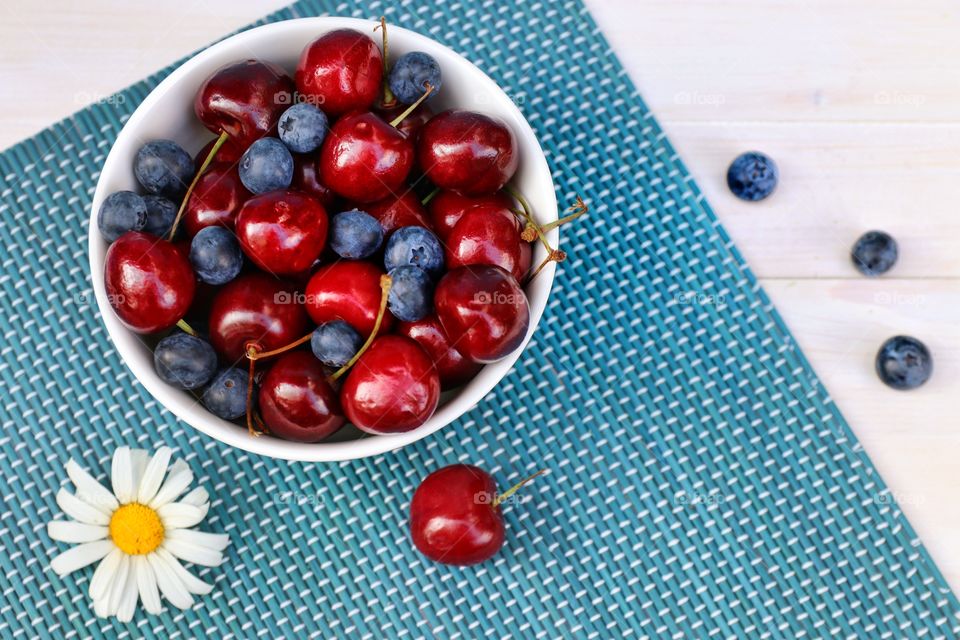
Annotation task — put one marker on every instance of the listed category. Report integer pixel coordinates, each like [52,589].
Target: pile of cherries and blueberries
[338,253]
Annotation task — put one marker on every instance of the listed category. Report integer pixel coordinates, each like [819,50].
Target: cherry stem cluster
[532,231]
[193,183]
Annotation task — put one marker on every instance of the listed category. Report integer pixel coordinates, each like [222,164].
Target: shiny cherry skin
[393,388]
[486,234]
[306,178]
[467,152]
[296,400]
[454,369]
[149,282]
[394,212]
[282,232]
[447,206]
[483,310]
[364,159]
[452,516]
[347,290]
[245,100]
[340,71]
[255,307]
[216,199]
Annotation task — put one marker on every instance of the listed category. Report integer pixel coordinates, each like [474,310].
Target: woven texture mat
[701,485]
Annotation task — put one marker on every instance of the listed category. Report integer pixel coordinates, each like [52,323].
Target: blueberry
[355,234]
[414,246]
[874,253]
[121,212]
[335,342]
[216,255]
[303,127]
[904,363]
[410,74]
[266,166]
[752,176]
[226,396]
[164,168]
[411,295]
[184,361]
[160,215]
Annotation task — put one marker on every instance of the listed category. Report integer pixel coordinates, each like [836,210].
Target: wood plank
[837,181]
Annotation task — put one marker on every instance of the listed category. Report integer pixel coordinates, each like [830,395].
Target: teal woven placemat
[702,484]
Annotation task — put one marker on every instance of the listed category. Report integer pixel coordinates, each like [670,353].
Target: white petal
[193,553]
[89,490]
[170,586]
[100,607]
[192,582]
[178,515]
[119,585]
[73,532]
[128,599]
[153,475]
[215,541]
[197,497]
[80,510]
[147,585]
[80,556]
[176,483]
[138,464]
[121,475]
[104,576]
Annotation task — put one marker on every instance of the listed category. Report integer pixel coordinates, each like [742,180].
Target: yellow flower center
[136,529]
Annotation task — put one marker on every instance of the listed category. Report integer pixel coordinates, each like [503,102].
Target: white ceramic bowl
[168,113]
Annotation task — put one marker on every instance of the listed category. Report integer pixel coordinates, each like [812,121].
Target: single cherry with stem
[456,516]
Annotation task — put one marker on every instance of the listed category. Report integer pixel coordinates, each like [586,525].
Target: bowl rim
[229,433]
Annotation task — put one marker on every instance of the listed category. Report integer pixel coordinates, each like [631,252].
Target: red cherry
[306,178]
[149,282]
[245,100]
[283,232]
[447,206]
[454,518]
[486,234]
[483,310]
[257,308]
[348,290]
[364,158]
[453,367]
[467,152]
[296,400]
[526,260]
[340,71]
[394,212]
[216,199]
[228,154]
[393,388]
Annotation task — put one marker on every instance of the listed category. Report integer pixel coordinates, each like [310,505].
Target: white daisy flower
[137,532]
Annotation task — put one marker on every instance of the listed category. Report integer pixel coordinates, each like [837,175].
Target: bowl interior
[168,113]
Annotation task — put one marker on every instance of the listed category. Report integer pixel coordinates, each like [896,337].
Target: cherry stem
[430,196]
[388,98]
[253,361]
[385,283]
[193,183]
[578,208]
[400,118]
[186,328]
[527,215]
[512,490]
[254,353]
[555,255]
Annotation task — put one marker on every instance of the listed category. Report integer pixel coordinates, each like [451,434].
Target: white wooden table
[858,102]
